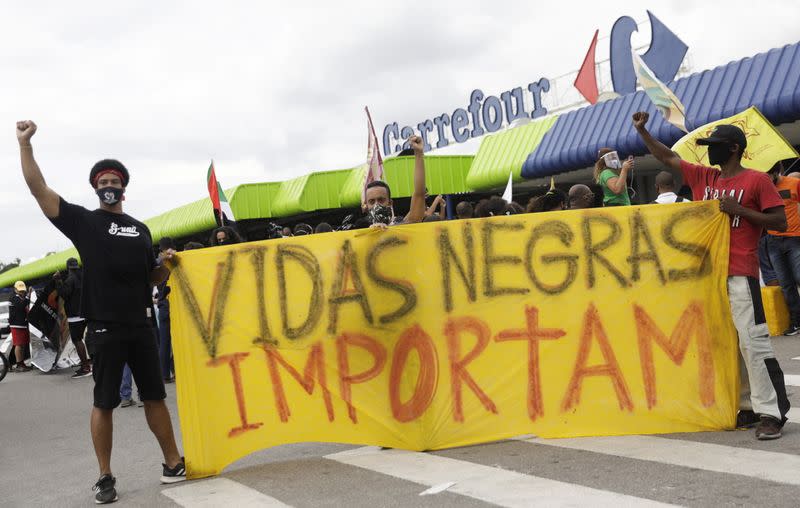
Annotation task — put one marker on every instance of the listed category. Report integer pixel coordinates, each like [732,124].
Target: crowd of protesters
[122,293]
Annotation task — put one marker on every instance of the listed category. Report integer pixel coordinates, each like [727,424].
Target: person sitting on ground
[753,203]
[302,229]
[18,321]
[378,196]
[70,291]
[323,227]
[613,181]
[665,186]
[224,235]
[464,210]
[491,207]
[580,196]
[193,246]
[551,201]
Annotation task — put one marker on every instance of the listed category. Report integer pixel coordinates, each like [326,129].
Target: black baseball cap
[725,134]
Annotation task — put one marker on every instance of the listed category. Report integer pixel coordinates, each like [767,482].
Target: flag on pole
[586,80]
[661,96]
[765,144]
[222,208]
[507,192]
[374,159]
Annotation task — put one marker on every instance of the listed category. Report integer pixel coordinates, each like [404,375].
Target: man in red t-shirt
[752,202]
[784,246]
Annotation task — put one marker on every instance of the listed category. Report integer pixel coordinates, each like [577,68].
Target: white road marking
[791,379]
[437,488]
[764,465]
[796,358]
[794,415]
[490,484]
[220,492]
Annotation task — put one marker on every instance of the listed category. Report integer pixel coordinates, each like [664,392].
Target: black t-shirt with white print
[116,251]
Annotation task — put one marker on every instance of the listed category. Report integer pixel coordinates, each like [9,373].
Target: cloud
[276,90]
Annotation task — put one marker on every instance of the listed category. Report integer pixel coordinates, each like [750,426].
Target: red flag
[222,209]
[586,81]
[213,193]
[374,159]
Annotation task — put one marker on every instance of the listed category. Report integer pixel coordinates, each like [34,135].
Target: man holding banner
[119,272]
[753,204]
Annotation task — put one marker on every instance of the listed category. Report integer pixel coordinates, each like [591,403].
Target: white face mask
[612,160]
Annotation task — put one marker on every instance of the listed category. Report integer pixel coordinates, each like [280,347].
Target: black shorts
[112,345]
[76,330]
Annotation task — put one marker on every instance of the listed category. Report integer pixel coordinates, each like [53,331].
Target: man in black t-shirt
[119,273]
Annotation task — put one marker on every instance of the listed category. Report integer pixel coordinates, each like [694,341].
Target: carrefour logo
[486,114]
[483,114]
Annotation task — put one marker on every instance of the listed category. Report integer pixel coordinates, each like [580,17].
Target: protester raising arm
[659,150]
[432,209]
[417,210]
[772,218]
[46,197]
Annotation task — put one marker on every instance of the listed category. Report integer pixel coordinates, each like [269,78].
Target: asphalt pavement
[46,459]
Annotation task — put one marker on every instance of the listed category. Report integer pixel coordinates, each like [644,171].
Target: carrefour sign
[483,114]
[487,114]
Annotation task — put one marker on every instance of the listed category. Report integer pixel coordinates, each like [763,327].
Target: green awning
[315,191]
[444,174]
[182,221]
[39,268]
[253,200]
[505,152]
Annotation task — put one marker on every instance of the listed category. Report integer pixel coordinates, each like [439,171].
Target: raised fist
[416,143]
[640,119]
[25,130]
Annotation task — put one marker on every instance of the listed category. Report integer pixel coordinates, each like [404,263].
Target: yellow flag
[765,145]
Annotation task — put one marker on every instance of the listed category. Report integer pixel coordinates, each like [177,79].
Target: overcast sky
[272,91]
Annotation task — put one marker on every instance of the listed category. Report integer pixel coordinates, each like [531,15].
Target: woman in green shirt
[614,182]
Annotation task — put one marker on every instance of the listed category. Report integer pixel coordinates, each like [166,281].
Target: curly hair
[230,233]
[109,165]
[491,207]
[552,200]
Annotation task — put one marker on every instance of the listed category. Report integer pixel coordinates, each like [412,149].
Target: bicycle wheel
[4,366]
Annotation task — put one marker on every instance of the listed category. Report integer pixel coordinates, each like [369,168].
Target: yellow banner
[596,322]
[765,144]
